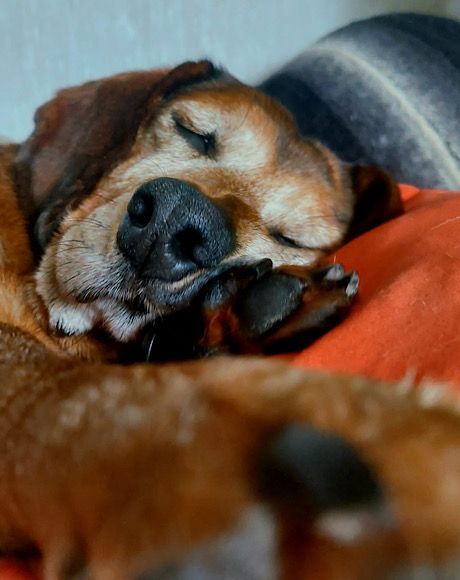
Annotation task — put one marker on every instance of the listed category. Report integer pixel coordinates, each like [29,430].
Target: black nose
[171,229]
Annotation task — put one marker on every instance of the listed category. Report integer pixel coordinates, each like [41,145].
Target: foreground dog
[149,196]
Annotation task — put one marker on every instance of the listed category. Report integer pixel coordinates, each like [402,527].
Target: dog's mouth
[144,294]
[181,293]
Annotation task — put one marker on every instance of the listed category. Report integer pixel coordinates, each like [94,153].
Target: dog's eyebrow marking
[203,142]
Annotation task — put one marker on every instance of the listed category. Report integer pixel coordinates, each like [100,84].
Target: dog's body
[112,469]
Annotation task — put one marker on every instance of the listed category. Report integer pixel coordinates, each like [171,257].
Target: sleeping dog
[146,189]
[180,212]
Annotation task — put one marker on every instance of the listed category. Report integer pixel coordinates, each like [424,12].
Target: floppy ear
[83,132]
[377,199]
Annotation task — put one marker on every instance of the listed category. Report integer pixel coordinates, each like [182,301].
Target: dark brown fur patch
[377,199]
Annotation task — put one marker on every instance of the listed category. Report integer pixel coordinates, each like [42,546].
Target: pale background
[48,44]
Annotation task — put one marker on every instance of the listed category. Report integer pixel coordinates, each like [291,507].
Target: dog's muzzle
[171,229]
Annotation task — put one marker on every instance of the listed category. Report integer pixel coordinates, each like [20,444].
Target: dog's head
[144,186]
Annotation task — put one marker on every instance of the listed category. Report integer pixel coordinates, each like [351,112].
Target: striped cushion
[385,91]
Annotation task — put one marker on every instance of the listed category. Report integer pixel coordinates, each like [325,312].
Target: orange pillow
[407,317]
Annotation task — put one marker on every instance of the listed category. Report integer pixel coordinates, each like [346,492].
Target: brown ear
[377,199]
[83,132]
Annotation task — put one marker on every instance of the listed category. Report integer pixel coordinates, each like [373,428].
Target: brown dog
[145,188]
[149,193]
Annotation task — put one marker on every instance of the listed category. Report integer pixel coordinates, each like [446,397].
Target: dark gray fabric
[384,91]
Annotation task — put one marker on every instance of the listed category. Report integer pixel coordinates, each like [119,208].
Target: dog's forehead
[233,103]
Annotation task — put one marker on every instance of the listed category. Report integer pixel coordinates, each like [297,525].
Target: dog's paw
[254,309]
[286,311]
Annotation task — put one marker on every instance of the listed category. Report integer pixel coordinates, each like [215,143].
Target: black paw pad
[271,299]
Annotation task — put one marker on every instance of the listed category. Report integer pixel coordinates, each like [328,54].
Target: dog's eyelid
[284,240]
[204,143]
[291,243]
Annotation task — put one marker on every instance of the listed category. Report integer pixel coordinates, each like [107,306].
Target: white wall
[47,44]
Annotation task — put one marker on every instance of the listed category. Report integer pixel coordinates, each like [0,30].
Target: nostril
[140,209]
[185,245]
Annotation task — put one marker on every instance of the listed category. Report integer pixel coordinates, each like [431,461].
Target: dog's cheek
[95,222]
[65,317]
[85,259]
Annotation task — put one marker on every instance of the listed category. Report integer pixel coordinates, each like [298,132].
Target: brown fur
[112,469]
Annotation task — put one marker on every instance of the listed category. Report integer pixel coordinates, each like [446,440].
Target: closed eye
[203,143]
[284,240]
[291,243]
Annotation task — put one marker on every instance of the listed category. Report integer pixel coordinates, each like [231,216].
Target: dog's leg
[113,469]
[283,310]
